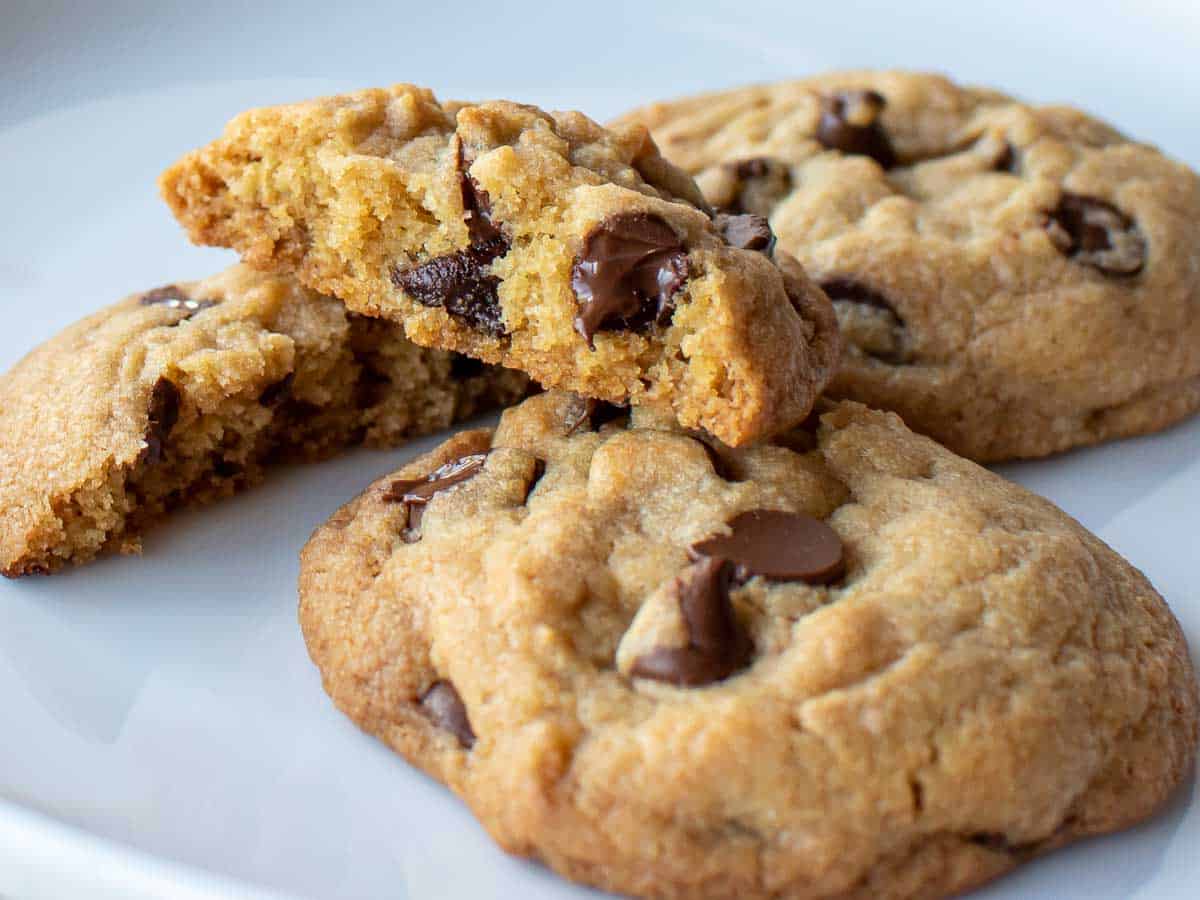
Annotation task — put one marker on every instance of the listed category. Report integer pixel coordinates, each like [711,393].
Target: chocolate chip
[1097,234]
[172,297]
[630,268]
[778,545]
[463,367]
[758,184]
[746,232]
[442,705]
[414,494]
[273,394]
[458,282]
[595,414]
[162,416]
[717,645]
[850,123]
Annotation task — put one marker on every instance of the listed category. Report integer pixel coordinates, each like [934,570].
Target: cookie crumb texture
[186,393]
[951,677]
[539,241]
[1013,280]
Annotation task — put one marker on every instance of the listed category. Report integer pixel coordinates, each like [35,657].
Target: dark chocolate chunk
[458,282]
[778,545]
[746,232]
[717,644]
[276,393]
[1097,234]
[463,367]
[443,706]
[759,183]
[163,414]
[416,493]
[630,268]
[172,297]
[850,123]
[595,414]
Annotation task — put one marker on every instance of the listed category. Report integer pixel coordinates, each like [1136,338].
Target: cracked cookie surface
[187,392]
[845,665]
[1014,280]
[537,240]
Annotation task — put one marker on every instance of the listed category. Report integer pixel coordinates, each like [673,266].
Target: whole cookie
[536,240]
[846,665]
[1013,280]
[188,392]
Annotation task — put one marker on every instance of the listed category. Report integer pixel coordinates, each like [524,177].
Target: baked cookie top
[1014,280]
[537,240]
[184,393]
[845,664]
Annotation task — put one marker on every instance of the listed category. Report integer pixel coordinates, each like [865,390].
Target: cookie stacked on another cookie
[536,240]
[1013,280]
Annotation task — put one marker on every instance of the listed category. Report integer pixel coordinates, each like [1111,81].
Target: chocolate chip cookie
[185,393]
[1013,280]
[845,664]
[540,241]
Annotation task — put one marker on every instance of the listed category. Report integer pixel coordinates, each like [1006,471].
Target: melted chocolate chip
[1097,234]
[760,183]
[778,545]
[717,645]
[463,367]
[276,393]
[458,282]
[414,494]
[850,123]
[595,414]
[746,232]
[442,705]
[173,297]
[630,268]
[163,414]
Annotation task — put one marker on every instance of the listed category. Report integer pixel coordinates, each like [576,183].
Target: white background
[163,731]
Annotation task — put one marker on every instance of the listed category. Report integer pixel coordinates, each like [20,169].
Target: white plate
[164,732]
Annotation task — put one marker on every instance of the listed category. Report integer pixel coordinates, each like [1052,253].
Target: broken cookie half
[187,392]
[537,240]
